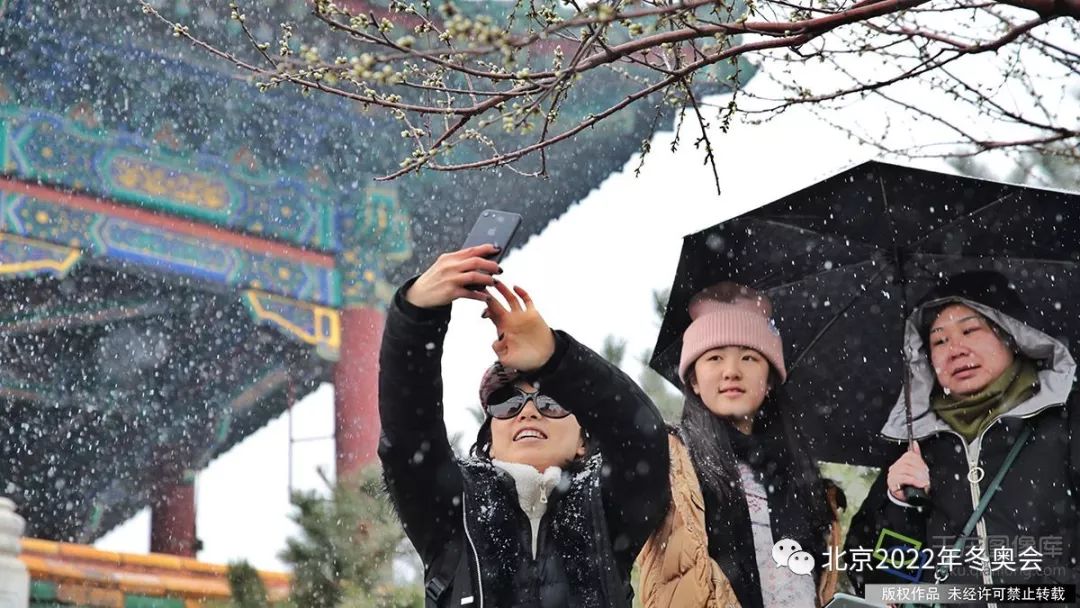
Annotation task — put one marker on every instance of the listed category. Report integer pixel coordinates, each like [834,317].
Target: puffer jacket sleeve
[675,566]
[421,471]
[631,436]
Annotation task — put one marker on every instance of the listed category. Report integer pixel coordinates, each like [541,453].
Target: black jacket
[1039,499]
[463,517]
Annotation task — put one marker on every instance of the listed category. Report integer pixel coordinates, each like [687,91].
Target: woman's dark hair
[707,437]
[481,448]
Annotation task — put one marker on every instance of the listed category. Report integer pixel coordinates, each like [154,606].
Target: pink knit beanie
[729,314]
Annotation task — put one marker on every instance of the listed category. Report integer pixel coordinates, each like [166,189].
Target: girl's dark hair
[481,448]
[706,436]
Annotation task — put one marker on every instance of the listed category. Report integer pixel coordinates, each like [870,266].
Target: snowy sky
[591,273]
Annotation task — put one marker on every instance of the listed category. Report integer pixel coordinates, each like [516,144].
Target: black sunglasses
[512,406]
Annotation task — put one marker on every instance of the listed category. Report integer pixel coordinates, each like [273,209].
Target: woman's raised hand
[451,275]
[525,341]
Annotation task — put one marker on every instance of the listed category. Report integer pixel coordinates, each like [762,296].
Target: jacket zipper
[542,529]
[541,537]
[976,489]
[976,496]
[476,555]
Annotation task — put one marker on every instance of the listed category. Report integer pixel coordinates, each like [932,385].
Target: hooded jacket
[464,516]
[1038,501]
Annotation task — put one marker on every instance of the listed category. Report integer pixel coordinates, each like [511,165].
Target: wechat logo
[789,554]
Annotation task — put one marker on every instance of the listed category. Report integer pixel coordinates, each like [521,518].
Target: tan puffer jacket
[676,569]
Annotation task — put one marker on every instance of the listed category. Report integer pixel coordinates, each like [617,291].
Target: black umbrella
[844,260]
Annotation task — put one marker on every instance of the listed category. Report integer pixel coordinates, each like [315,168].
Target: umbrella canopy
[844,261]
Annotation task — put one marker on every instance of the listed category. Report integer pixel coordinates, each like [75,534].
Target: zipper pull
[976,474]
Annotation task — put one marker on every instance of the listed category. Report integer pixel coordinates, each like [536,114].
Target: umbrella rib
[821,333]
[774,288]
[1070,263]
[888,213]
[1003,198]
[824,235]
[958,219]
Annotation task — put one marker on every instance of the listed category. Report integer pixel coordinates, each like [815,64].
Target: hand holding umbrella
[910,472]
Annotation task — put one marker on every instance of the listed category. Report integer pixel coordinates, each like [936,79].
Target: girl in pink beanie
[751,518]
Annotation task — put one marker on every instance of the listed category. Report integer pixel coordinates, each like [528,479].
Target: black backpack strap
[442,574]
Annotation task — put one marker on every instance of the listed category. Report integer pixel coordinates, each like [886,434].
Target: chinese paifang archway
[183,257]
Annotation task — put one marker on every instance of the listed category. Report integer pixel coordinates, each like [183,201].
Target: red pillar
[172,519]
[356,389]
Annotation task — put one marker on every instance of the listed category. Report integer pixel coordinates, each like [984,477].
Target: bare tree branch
[477,90]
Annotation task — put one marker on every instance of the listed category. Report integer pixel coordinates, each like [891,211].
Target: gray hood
[1055,382]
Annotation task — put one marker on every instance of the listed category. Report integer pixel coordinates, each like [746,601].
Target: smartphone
[494,227]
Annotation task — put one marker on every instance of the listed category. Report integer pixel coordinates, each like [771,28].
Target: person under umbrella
[530,519]
[839,259]
[743,486]
[998,452]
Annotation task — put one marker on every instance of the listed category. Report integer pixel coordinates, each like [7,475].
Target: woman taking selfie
[568,476]
[741,479]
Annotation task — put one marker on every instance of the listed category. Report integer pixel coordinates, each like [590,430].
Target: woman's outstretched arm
[422,475]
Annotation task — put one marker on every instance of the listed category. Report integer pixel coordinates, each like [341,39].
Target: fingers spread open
[496,311]
[511,300]
[525,298]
